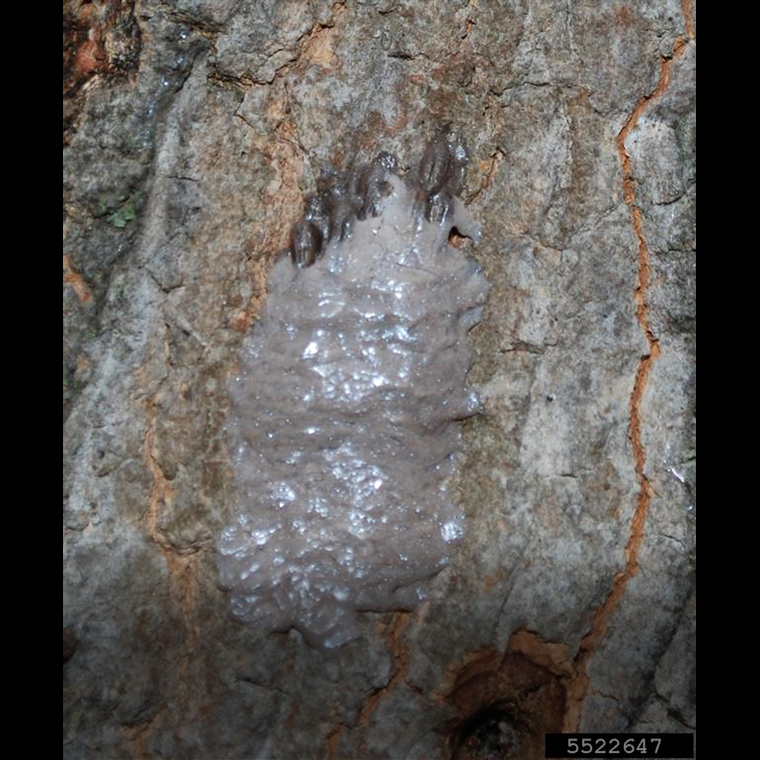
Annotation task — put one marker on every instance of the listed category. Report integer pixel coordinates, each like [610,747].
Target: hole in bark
[491,734]
[506,703]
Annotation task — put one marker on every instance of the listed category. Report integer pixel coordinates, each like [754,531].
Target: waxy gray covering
[346,405]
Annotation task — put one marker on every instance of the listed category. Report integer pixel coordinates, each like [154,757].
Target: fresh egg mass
[346,406]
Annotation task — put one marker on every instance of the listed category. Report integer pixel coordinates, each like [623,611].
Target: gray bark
[192,131]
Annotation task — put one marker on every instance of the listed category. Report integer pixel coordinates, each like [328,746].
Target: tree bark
[192,130]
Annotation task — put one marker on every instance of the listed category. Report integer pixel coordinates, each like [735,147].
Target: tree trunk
[192,131]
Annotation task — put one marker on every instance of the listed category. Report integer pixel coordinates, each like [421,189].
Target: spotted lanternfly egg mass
[345,414]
